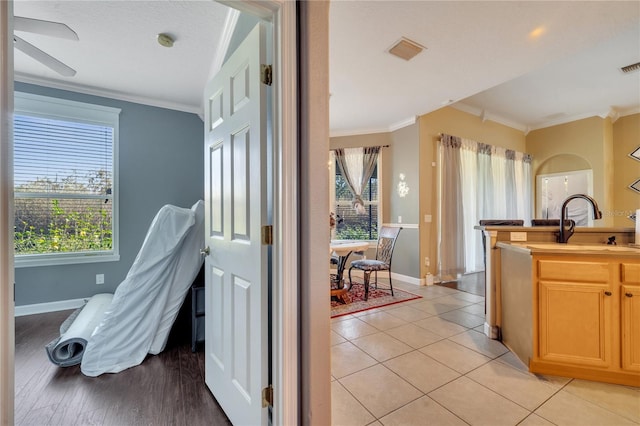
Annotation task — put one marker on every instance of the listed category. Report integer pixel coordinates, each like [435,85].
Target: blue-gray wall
[160,162]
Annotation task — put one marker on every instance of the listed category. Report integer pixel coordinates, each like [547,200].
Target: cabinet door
[630,296]
[574,322]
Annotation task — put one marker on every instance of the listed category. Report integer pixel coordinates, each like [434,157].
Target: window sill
[27,261]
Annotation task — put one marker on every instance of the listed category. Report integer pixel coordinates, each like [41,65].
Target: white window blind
[65,178]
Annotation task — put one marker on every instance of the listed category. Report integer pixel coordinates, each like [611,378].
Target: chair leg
[390,283]
[350,282]
[367,275]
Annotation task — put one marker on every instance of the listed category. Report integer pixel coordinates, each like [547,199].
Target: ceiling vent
[406,49]
[632,67]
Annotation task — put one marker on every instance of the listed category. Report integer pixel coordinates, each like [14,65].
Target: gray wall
[403,157]
[161,162]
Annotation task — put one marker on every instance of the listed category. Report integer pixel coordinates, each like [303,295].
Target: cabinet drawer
[630,273]
[587,272]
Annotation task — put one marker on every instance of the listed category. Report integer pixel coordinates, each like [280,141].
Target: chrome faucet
[565,234]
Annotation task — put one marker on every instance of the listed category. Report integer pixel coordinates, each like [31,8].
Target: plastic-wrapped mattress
[68,349]
[146,303]
[115,332]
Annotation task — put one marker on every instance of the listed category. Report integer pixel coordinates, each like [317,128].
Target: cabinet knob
[629,294]
[607,293]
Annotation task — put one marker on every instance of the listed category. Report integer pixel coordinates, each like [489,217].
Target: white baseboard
[407,279]
[394,275]
[491,331]
[41,308]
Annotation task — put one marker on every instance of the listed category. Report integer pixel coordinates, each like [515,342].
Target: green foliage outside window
[355,226]
[49,223]
[85,229]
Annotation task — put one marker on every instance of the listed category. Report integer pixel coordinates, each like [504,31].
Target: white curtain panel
[451,233]
[353,158]
[499,172]
[472,202]
[477,181]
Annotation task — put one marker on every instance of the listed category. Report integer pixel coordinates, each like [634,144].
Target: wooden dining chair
[387,238]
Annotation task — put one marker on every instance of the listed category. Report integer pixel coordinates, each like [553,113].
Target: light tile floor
[426,362]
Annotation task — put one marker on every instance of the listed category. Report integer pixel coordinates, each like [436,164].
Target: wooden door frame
[7,332]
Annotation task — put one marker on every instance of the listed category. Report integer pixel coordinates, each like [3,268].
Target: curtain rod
[375,146]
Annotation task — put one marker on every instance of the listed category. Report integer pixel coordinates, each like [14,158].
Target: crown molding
[403,123]
[486,115]
[95,91]
[611,112]
[356,132]
[392,128]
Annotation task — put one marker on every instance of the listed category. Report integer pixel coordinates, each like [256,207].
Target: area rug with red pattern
[377,298]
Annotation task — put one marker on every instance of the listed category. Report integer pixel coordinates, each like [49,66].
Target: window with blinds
[64,181]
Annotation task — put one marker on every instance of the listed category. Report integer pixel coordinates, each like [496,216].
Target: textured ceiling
[118,52]
[480,57]
[475,46]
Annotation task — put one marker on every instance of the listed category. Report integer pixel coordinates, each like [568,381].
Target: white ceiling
[118,55]
[478,52]
[478,45]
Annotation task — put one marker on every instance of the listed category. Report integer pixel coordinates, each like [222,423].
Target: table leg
[342,286]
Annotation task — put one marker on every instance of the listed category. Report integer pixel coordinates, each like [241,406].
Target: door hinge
[267,235]
[267,397]
[266,74]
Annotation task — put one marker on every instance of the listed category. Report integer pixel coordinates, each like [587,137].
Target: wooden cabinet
[587,318]
[575,323]
[630,316]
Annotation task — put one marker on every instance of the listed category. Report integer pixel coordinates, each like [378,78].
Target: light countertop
[573,249]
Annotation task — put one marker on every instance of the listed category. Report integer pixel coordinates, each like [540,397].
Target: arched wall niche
[563,163]
[558,177]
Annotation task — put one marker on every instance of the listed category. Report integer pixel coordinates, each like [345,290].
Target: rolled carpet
[68,349]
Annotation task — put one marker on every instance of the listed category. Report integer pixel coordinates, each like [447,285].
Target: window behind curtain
[356,226]
[64,181]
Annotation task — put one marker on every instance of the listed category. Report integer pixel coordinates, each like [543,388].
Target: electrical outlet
[99,278]
[427,218]
[426,262]
[518,236]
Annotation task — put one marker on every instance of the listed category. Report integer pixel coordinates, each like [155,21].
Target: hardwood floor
[166,389]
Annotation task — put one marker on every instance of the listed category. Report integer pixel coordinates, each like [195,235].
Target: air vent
[406,49]
[632,67]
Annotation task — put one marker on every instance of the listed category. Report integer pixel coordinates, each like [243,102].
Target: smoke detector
[165,40]
[406,49]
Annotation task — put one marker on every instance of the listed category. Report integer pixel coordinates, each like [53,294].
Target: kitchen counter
[527,235]
[572,309]
[573,249]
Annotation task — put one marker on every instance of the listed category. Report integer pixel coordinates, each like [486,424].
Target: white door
[237,270]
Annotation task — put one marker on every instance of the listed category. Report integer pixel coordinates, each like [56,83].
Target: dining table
[339,286]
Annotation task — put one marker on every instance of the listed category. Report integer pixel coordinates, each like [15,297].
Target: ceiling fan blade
[49,28]
[44,58]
